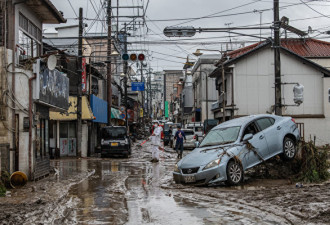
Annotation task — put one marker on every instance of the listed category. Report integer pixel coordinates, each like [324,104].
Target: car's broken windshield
[221,136]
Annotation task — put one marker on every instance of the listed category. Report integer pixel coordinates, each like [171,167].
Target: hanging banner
[166,109]
[83,75]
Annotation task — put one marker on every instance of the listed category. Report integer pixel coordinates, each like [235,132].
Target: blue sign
[122,116]
[137,86]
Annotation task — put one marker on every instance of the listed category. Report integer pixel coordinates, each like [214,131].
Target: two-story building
[30,89]
[249,83]
[204,93]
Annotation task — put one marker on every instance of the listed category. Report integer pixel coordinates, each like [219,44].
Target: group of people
[156,141]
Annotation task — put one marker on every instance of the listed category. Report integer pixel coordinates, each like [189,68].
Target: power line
[314,9]
[72,8]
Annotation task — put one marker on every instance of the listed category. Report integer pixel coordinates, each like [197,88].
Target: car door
[256,150]
[272,133]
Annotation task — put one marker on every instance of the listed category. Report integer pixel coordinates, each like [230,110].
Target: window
[250,129]
[264,123]
[29,39]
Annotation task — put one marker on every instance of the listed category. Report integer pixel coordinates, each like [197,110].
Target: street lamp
[199,53]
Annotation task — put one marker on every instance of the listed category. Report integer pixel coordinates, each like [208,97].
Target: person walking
[179,136]
[155,141]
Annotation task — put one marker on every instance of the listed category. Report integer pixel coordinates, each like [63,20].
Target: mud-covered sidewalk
[44,201]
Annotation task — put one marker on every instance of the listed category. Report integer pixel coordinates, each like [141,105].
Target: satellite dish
[51,62]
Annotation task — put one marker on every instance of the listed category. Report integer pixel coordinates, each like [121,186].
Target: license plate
[114,144]
[189,179]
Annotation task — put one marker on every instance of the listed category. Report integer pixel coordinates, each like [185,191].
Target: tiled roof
[309,48]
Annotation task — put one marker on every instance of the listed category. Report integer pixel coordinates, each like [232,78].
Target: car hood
[202,156]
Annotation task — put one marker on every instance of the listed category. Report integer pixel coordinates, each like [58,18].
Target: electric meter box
[298,94]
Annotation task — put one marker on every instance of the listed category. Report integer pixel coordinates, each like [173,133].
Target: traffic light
[133,57]
[125,57]
[141,57]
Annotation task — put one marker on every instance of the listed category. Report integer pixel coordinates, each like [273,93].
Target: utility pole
[125,78]
[164,93]
[223,94]
[277,59]
[79,86]
[109,90]
[142,93]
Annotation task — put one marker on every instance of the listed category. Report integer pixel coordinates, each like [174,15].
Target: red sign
[83,75]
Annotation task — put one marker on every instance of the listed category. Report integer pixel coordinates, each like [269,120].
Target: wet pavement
[135,191]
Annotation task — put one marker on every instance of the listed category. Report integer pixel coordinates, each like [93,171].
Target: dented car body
[235,146]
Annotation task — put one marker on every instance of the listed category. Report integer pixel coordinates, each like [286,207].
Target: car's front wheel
[234,173]
[289,149]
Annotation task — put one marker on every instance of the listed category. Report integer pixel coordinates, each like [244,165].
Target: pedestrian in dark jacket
[179,136]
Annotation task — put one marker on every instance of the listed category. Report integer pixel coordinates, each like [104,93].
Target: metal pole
[125,79]
[109,90]
[164,93]
[207,98]
[142,92]
[79,91]
[277,59]
[223,94]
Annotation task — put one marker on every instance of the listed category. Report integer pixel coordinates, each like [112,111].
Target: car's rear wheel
[289,149]
[234,173]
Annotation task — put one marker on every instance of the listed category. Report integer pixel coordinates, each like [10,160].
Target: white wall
[254,91]
[254,85]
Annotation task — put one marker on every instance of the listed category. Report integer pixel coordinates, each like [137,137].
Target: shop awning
[71,114]
[115,113]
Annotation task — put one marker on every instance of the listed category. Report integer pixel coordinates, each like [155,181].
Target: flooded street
[135,191]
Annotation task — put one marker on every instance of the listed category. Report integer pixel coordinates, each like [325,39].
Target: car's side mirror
[197,144]
[247,137]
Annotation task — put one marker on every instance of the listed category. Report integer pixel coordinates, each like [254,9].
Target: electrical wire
[314,9]
[72,8]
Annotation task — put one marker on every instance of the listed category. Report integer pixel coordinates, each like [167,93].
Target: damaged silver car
[235,146]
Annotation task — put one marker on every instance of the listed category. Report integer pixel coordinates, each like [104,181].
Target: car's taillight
[194,137]
[293,120]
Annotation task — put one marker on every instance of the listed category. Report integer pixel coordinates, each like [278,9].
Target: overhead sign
[137,86]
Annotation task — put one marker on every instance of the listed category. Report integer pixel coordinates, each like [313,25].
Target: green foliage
[313,165]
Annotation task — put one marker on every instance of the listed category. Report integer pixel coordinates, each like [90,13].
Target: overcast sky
[301,14]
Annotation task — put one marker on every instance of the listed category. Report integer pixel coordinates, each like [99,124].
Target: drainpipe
[30,123]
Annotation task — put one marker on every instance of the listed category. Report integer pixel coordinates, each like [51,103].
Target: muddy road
[136,191]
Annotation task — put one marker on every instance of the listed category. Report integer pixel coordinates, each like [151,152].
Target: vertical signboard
[166,109]
[83,75]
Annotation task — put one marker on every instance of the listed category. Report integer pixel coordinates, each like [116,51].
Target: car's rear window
[114,133]
[188,132]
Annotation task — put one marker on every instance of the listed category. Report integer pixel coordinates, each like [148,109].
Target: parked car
[198,127]
[115,141]
[191,139]
[235,146]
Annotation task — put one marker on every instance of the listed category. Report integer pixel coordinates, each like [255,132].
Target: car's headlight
[212,164]
[176,168]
